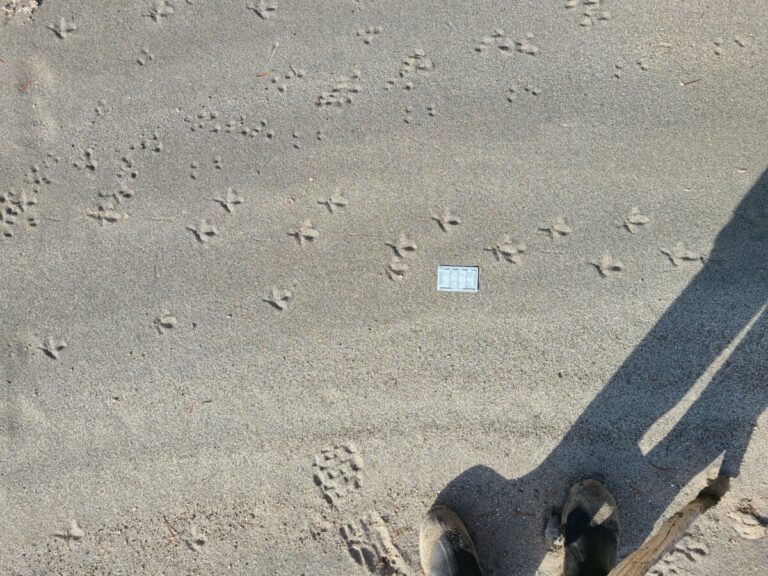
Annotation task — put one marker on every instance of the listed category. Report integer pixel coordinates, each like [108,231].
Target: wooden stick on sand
[641,560]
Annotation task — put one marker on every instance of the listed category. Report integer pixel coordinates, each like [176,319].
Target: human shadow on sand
[725,304]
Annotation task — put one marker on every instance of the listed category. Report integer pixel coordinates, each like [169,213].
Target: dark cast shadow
[725,303]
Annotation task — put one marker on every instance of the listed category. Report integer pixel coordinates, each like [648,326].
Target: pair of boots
[589,524]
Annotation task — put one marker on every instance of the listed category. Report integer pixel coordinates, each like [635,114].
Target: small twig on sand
[24,86]
[690,82]
[173,534]
[746,507]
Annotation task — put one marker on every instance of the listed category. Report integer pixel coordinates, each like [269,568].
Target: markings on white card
[458,278]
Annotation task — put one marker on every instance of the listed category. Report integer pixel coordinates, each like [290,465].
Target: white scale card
[458,278]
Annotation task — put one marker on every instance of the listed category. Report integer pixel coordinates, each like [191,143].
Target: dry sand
[220,356]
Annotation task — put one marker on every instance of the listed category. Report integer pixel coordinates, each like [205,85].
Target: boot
[591,528]
[445,546]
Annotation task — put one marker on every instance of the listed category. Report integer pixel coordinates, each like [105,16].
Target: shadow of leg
[725,296]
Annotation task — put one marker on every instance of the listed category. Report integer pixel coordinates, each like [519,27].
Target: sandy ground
[196,380]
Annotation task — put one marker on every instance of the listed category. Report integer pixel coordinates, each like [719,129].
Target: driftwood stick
[641,560]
